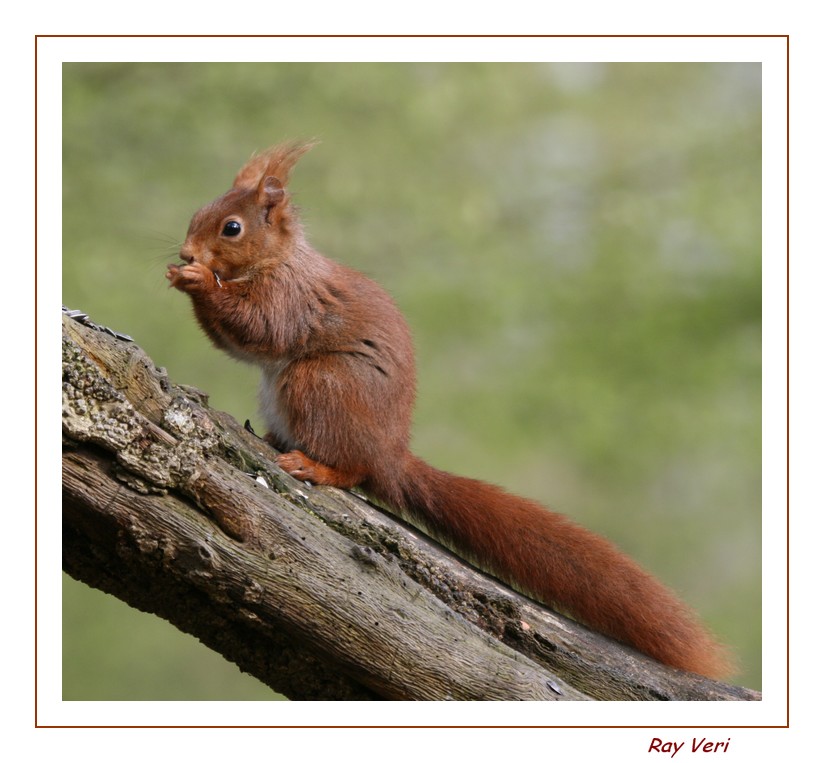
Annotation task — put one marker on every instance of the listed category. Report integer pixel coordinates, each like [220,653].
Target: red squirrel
[337,394]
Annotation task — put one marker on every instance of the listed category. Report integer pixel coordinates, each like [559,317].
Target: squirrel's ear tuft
[277,162]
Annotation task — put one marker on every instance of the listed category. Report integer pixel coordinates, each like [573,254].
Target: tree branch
[178,510]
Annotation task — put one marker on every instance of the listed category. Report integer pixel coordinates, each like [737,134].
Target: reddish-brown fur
[337,395]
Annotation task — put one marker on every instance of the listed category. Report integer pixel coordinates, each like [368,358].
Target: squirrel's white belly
[271,408]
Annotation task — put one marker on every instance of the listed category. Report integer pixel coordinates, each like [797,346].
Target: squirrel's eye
[232,228]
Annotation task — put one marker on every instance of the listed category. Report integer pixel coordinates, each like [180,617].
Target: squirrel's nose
[186,254]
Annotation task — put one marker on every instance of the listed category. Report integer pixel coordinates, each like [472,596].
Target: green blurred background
[577,248]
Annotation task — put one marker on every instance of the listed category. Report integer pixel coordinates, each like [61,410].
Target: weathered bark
[178,510]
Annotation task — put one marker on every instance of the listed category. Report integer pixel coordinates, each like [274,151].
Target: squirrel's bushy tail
[562,564]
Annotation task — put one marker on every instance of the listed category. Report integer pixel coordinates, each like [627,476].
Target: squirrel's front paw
[190,278]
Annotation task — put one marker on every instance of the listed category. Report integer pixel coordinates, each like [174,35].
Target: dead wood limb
[178,510]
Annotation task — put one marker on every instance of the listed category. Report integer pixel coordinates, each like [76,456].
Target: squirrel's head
[253,223]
